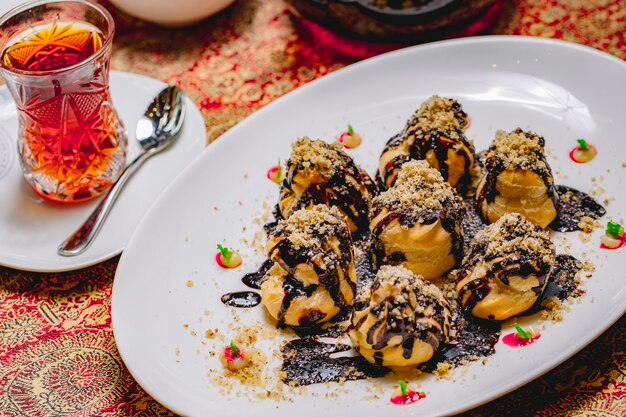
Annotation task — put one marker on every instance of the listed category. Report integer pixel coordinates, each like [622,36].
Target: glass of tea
[55,62]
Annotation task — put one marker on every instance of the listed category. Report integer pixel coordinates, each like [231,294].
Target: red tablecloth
[57,353]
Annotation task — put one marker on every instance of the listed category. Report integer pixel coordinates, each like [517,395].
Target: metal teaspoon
[156,130]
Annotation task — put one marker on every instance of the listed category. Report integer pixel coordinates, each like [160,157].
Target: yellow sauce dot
[610,242]
[583,156]
[350,141]
[234,261]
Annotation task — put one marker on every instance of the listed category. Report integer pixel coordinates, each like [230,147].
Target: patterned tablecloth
[57,353]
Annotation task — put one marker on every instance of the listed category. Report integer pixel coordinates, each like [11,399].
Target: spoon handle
[80,240]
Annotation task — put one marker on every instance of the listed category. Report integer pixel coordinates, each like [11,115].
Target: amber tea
[53,46]
[71,143]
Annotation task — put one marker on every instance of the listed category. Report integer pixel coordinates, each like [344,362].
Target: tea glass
[55,62]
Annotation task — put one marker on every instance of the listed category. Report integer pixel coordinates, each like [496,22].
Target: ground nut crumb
[587,224]
[211,333]
[553,307]
[588,266]
[419,187]
[321,156]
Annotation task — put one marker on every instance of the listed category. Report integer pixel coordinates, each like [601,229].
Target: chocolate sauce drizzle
[292,289]
[393,166]
[562,283]
[242,299]
[363,260]
[473,338]
[308,361]
[472,223]
[335,327]
[571,203]
[253,279]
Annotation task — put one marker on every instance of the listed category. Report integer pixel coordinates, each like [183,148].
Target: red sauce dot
[230,355]
[274,175]
[218,260]
[235,260]
[513,340]
[411,397]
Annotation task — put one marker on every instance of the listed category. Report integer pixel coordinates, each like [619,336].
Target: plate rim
[82,261]
[568,351]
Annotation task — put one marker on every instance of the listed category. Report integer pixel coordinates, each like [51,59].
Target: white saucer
[31,229]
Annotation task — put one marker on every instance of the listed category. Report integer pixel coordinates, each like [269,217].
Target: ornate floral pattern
[57,354]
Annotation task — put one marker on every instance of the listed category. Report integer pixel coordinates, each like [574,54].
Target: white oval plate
[562,90]
[31,229]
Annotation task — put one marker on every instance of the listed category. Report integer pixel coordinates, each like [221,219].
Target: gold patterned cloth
[57,353]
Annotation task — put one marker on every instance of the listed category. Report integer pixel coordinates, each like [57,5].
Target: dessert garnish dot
[613,237]
[276,173]
[227,258]
[403,395]
[350,139]
[521,337]
[234,358]
[583,153]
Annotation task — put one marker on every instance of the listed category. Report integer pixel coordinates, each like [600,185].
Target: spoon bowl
[162,120]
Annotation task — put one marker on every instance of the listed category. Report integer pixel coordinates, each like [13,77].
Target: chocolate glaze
[471,224]
[481,157]
[243,299]
[308,361]
[394,165]
[571,202]
[562,282]
[253,279]
[335,327]
[292,288]
[363,260]
[477,289]
[563,274]
[473,338]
